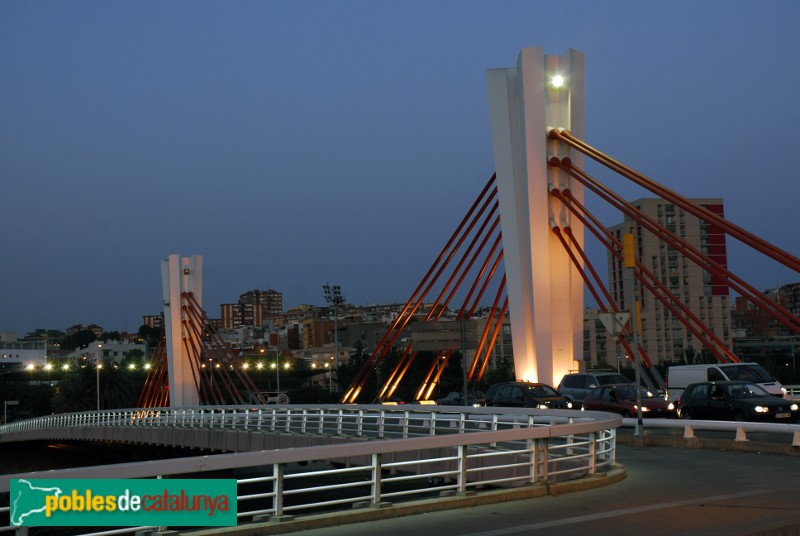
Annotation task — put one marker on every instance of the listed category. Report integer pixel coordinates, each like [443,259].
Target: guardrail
[792,390]
[738,430]
[418,452]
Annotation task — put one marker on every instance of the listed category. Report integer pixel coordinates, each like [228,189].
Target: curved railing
[416,451]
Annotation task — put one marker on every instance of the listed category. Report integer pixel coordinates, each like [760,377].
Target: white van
[678,377]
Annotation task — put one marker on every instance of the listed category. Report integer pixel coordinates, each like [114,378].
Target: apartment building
[664,337]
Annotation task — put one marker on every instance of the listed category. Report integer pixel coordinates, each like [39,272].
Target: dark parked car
[622,399]
[578,385]
[735,400]
[456,398]
[525,395]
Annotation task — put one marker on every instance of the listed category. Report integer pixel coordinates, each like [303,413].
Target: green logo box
[119,502]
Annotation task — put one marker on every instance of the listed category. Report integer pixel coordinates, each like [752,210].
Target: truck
[679,376]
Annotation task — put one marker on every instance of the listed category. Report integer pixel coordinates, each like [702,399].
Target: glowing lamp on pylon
[557,81]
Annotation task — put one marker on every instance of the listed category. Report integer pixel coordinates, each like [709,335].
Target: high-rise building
[251,310]
[664,337]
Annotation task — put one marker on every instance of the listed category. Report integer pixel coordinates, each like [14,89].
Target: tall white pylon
[545,291]
[178,275]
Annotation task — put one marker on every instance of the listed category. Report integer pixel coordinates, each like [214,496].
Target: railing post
[592,453]
[462,469]
[376,478]
[533,448]
[277,500]
[543,453]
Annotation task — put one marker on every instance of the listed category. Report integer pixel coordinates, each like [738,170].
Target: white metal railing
[738,430]
[793,391]
[423,451]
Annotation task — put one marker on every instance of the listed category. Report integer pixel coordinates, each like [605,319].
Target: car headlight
[794,407]
[761,409]
[671,406]
[569,404]
[541,406]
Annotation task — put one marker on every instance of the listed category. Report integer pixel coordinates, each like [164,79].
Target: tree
[151,335]
[79,339]
[110,336]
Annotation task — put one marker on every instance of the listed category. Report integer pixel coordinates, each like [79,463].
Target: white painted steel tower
[178,275]
[545,291]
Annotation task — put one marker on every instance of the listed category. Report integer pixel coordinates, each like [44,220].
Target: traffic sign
[614,322]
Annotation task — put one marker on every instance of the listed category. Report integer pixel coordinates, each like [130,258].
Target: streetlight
[333,295]
[330,378]
[98,366]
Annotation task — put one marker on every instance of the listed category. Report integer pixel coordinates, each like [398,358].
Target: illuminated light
[272,366]
[65,367]
[30,367]
[313,365]
[671,406]
[761,409]
[793,407]
[147,366]
[48,367]
[427,402]
[541,406]
[569,405]
[132,366]
[259,366]
[246,366]
[557,81]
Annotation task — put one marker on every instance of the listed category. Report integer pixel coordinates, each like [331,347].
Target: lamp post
[277,367]
[333,295]
[98,366]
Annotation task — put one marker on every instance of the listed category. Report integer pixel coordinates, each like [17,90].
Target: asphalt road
[668,491]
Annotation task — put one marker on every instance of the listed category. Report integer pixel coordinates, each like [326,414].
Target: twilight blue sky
[294,143]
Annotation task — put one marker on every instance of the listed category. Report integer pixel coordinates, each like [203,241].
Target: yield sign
[614,322]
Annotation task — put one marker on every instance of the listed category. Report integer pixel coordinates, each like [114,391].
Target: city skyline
[293,144]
